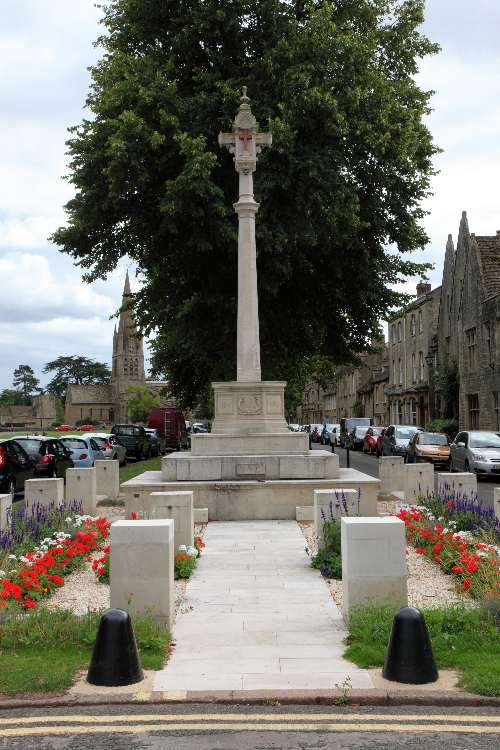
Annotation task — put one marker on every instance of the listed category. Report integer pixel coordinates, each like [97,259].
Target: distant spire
[126,288]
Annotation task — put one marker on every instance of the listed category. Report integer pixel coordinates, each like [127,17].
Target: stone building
[469,325]
[40,415]
[108,402]
[412,358]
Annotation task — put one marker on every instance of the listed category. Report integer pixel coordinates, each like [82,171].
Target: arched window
[420,321]
[413,369]
[413,326]
[421,365]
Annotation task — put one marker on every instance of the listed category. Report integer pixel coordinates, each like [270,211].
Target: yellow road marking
[239,727]
[103,718]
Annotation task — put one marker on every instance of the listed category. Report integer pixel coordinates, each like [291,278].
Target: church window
[421,365]
[413,326]
[471,348]
[420,322]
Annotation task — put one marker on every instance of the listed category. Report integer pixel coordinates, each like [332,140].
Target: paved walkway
[261,618]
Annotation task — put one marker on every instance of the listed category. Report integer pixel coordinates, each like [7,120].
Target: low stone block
[107,478]
[496,502]
[418,481]
[304,513]
[179,507]
[457,484]
[390,472]
[81,487]
[142,568]
[44,492]
[200,515]
[333,502]
[5,510]
[373,562]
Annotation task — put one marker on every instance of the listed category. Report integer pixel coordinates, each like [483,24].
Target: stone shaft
[248,341]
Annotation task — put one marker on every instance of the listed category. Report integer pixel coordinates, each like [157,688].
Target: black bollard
[115,660]
[409,656]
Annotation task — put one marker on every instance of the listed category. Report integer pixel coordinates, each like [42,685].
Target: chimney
[423,287]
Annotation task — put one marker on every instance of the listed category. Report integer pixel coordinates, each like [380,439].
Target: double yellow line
[292,722]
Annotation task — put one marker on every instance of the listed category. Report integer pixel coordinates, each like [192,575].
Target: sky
[45,48]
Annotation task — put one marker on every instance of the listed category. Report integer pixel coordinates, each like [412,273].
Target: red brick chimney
[423,287]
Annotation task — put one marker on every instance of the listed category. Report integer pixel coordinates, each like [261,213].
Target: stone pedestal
[390,472]
[5,510]
[496,502]
[81,487]
[418,481]
[460,485]
[330,503]
[107,478]
[142,568]
[373,562]
[46,492]
[179,507]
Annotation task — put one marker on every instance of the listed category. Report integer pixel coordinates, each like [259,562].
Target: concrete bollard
[418,481]
[459,485]
[179,507]
[44,492]
[496,502]
[5,510]
[390,472]
[200,515]
[336,497]
[373,562]
[107,478]
[81,487]
[142,568]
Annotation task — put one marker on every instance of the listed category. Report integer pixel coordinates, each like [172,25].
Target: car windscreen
[32,447]
[74,443]
[356,422]
[377,430]
[361,431]
[405,433]
[329,427]
[484,440]
[127,431]
[99,441]
[429,439]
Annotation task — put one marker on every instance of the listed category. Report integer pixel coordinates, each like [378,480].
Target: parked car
[134,439]
[198,428]
[111,446]
[171,425]
[396,439]
[15,467]
[355,439]
[430,447]
[380,440]
[326,434]
[476,451]
[315,432]
[84,450]
[370,441]
[348,423]
[63,428]
[294,427]
[157,441]
[50,455]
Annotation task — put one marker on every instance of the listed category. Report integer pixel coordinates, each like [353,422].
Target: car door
[63,458]
[98,453]
[23,467]
[458,452]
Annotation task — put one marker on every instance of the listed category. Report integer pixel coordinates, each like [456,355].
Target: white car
[110,446]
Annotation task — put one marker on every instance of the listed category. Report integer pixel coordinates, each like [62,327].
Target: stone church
[108,402]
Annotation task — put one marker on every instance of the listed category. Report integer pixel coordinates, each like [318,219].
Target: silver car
[476,451]
[110,446]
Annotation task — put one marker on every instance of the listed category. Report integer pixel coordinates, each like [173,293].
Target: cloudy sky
[45,48]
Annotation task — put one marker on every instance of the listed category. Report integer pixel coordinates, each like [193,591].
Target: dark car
[156,440]
[355,439]
[397,438]
[15,467]
[50,455]
[347,425]
[134,439]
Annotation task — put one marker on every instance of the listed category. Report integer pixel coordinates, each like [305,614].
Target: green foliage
[140,401]
[462,638]
[344,180]
[73,369]
[184,565]
[42,649]
[11,397]
[328,558]
[25,382]
[448,426]
[87,420]
[357,409]
[447,382]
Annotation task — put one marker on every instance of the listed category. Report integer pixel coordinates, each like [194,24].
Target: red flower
[467,583]
[420,550]
[133,516]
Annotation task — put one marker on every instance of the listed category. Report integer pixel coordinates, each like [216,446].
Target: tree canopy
[140,401]
[340,189]
[25,382]
[73,369]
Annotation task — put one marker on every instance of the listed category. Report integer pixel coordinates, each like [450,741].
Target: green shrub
[448,426]
[328,559]
[184,565]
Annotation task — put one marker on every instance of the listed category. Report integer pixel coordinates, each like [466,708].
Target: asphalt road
[277,727]
[369,465]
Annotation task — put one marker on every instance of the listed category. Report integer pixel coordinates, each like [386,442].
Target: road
[227,727]
[369,465]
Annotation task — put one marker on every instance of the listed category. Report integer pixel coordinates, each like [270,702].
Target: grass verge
[464,639]
[138,467]
[40,651]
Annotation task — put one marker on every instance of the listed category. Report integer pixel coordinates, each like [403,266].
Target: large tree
[74,369]
[340,189]
[140,401]
[25,382]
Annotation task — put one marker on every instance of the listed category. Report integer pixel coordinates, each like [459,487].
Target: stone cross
[245,142]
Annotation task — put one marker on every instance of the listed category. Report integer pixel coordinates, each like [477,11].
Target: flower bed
[460,553]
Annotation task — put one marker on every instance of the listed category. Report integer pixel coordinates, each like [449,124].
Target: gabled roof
[489,258]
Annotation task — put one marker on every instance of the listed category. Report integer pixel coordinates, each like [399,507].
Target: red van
[170,424]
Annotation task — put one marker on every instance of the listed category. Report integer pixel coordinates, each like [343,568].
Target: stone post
[390,472]
[5,509]
[179,507]
[322,511]
[44,492]
[459,485]
[142,568]
[373,562]
[107,478]
[418,481]
[81,487]
[496,502]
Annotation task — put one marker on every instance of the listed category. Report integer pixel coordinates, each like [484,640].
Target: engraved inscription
[249,405]
[250,469]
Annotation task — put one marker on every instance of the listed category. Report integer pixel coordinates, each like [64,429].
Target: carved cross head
[245,142]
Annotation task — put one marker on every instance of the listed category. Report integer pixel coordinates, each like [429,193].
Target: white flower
[182,548]
[12,557]
[68,520]
[3,573]
[192,551]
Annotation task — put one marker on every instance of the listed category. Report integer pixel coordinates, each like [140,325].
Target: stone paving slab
[257,617]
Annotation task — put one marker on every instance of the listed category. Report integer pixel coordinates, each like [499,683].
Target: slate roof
[489,257]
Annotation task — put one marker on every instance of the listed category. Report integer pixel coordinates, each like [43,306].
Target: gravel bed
[428,585]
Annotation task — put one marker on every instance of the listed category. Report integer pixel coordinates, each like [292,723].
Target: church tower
[128,356]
